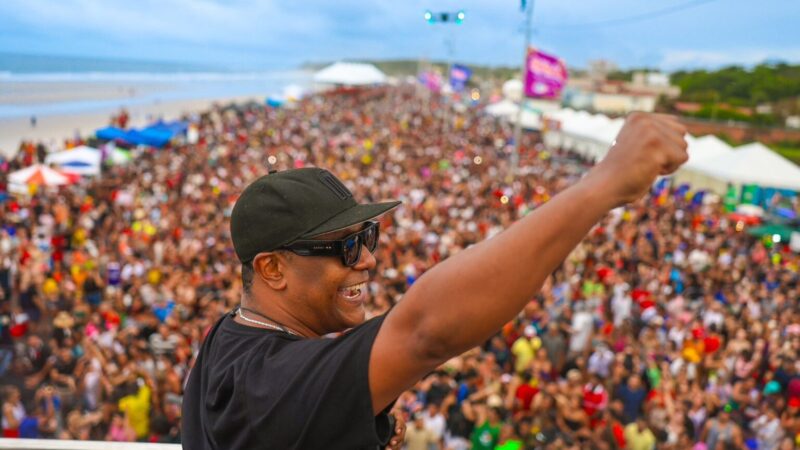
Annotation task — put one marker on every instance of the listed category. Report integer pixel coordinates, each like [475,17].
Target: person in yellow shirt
[692,351]
[137,409]
[524,348]
[638,435]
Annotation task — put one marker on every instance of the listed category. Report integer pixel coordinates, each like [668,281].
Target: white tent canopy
[81,160]
[350,74]
[507,109]
[512,90]
[705,148]
[712,163]
[588,134]
[294,92]
[702,150]
[609,132]
[752,164]
[503,108]
[531,120]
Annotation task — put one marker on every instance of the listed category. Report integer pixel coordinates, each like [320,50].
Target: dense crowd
[668,327]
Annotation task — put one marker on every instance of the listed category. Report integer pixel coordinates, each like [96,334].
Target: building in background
[596,93]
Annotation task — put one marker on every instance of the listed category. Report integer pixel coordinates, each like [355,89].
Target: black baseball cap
[282,207]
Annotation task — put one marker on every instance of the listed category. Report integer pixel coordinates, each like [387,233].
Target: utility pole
[457,18]
[448,107]
[518,128]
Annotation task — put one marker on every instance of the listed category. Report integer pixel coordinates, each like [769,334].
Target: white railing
[52,444]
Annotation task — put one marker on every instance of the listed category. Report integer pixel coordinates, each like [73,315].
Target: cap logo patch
[336,186]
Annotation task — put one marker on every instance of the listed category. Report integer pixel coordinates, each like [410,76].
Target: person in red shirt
[712,341]
[595,400]
[610,429]
[525,392]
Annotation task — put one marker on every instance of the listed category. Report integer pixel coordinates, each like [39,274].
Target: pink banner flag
[545,75]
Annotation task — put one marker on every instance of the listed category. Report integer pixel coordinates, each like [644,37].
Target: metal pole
[448,106]
[449,41]
[518,127]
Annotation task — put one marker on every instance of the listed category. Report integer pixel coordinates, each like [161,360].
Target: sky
[268,34]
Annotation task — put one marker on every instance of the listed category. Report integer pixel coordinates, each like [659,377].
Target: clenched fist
[648,145]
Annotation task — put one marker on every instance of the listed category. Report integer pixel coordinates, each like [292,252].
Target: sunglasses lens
[371,237]
[352,250]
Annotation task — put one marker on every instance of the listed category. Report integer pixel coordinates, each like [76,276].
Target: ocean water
[22,63]
[26,80]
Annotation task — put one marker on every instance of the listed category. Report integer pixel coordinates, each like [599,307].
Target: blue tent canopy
[156,135]
[76,164]
[275,102]
[111,134]
[151,137]
[175,127]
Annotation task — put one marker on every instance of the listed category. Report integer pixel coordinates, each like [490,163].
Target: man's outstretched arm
[462,301]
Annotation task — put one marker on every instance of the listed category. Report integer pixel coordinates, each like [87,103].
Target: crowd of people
[668,327]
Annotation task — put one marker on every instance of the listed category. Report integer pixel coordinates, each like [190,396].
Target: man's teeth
[354,290]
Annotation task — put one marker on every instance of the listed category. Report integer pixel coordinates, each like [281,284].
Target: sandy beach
[38,92]
[53,129]
[70,104]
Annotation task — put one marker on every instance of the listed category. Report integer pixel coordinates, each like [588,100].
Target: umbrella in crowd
[81,160]
[778,232]
[41,175]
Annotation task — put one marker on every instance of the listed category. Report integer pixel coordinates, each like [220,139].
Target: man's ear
[270,267]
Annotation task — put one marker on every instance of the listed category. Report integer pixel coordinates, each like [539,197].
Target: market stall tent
[504,108]
[531,120]
[701,150]
[749,164]
[778,232]
[81,160]
[111,134]
[350,74]
[157,135]
[706,147]
[712,164]
[512,90]
[22,180]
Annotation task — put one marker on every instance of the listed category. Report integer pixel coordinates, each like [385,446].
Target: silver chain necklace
[268,325]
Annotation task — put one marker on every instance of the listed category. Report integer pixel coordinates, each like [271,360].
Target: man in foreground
[266,379]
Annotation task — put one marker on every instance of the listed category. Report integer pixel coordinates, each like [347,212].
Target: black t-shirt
[65,367]
[437,393]
[253,388]
[38,357]
[458,424]
[5,330]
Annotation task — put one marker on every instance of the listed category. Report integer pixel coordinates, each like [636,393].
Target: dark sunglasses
[348,248]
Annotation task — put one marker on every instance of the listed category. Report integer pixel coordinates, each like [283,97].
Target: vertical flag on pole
[545,75]
[459,76]
[431,80]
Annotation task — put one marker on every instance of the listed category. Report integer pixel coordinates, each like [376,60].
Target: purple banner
[459,77]
[545,75]
[431,80]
